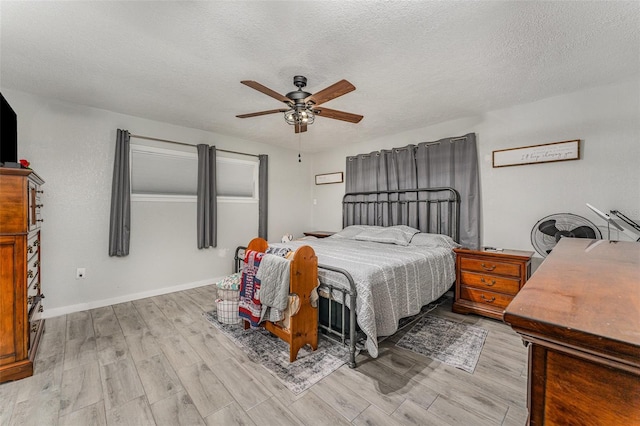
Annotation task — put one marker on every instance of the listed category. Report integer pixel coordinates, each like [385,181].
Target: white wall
[606,119]
[72,148]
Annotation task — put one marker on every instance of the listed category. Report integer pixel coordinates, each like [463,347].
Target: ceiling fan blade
[338,89]
[337,115]
[255,114]
[264,89]
[583,232]
[548,227]
[299,128]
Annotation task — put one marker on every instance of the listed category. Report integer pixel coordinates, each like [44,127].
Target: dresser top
[586,292]
[15,171]
[506,253]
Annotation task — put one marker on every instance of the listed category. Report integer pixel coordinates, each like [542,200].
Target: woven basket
[227,311]
[233,295]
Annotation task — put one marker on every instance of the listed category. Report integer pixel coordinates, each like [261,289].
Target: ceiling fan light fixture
[302,116]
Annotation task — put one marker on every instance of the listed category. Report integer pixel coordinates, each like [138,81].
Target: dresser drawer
[33,331]
[489,298]
[491,266]
[490,282]
[33,211]
[33,267]
[33,290]
[33,244]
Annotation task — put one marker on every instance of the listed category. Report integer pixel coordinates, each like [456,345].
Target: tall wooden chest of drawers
[21,325]
[580,317]
[487,281]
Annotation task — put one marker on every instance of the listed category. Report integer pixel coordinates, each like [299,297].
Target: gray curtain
[381,171]
[362,175]
[207,204]
[450,162]
[454,162]
[120,218]
[263,203]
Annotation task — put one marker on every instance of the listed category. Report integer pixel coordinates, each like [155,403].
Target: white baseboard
[64,310]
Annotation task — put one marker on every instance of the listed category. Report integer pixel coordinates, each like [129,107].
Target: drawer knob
[488,283]
[40,308]
[30,300]
[39,206]
[29,273]
[39,220]
[29,249]
[34,327]
[488,268]
[36,243]
[40,191]
[487,300]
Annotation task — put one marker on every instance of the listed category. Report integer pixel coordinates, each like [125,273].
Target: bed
[389,272]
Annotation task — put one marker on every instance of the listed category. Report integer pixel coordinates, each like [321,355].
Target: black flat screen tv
[8,135]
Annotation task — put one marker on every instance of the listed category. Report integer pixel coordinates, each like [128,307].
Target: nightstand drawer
[489,298]
[490,266]
[490,282]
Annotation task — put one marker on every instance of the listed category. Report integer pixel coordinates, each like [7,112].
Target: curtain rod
[450,140]
[415,147]
[188,144]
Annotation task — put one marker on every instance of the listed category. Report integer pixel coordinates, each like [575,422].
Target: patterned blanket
[249,306]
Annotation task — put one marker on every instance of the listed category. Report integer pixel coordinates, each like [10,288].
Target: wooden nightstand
[487,281]
[318,234]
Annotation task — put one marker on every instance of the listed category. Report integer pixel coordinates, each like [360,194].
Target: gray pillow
[351,231]
[400,235]
[433,240]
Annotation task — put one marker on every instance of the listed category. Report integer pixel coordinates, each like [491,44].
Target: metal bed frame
[443,217]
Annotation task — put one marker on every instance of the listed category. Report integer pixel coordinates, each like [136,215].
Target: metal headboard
[433,210]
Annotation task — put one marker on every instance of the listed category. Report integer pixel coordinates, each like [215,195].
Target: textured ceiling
[414,63]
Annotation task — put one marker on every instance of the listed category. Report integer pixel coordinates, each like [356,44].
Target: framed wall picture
[545,153]
[329,178]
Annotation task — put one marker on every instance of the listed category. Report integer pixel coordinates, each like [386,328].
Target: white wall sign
[329,178]
[545,153]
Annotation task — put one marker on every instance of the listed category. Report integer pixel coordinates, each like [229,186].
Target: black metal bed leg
[352,332]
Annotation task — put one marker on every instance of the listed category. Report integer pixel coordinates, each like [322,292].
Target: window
[159,174]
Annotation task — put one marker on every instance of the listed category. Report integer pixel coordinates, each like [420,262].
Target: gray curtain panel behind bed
[120,217]
[449,162]
[207,205]
[263,202]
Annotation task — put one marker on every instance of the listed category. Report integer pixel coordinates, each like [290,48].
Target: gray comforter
[392,281]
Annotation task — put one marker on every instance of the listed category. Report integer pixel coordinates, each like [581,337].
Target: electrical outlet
[81,273]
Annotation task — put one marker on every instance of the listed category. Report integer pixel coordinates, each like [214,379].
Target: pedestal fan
[548,231]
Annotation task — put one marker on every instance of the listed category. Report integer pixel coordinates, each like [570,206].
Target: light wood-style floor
[158,361]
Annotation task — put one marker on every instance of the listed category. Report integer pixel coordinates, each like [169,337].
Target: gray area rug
[273,354]
[453,343]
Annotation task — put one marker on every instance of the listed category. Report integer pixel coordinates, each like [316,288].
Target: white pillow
[351,231]
[400,235]
[433,240]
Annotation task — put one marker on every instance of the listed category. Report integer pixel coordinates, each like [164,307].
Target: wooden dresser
[487,281]
[20,293]
[580,316]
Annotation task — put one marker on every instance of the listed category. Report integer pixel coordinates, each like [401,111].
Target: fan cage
[544,243]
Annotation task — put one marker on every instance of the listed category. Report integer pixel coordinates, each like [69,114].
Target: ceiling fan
[302,107]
